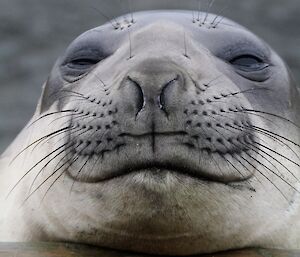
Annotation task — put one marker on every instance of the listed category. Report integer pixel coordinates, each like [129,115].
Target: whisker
[49,114]
[273,172]
[259,149]
[50,176]
[275,134]
[46,140]
[277,140]
[36,141]
[232,165]
[199,10]
[279,154]
[130,44]
[273,115]
[185,46]
[213,159]
[264,132]
[213,23]
[73,161]
[266,177]
[219,22]
[248,143]
[64,116]
[235,156]
[26,174]
[53,158]
[131,10]
[78,173]
[106,17]
[208,10]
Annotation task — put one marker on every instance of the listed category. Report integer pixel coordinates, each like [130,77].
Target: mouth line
[156,170]
[167,133]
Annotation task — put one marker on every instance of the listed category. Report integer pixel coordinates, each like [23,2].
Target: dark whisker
[273,172]
[64,90]
[65,116]
[264,132]
[241,128]
[275,134]
[266,177]
[131,10]
[50,176]
[38,140]
[26,174]
[46,140]
[106,17]
[253,114]
[279,154]
[219,22]
[273,158]
[185,45]
[273,115]
[130,44]
[214,22]
[47,115]
[78,173]
[226,148]
[232,165]
[52,159]
[240,162]
[69,134]
[251,128]
[250,90]
[199,10]
[213,159]
[208,10]
[102,82]
[214,80]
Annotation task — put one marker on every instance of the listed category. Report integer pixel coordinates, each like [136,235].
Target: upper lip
[166,133]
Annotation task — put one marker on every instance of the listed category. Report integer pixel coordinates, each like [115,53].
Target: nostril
[140,101]
[163,94]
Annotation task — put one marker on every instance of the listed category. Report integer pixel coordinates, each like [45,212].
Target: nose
[153,88]
[157,95]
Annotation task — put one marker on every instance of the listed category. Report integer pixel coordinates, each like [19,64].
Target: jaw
[166,214]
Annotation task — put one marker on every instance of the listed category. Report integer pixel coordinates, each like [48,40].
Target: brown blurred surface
[74,250]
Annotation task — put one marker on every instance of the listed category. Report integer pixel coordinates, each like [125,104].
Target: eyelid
[247,56]
[86,53]
[229,52]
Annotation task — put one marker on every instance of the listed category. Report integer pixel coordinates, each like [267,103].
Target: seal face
[161,134]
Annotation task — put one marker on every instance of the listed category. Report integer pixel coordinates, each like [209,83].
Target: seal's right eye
[82,63]
[77,65]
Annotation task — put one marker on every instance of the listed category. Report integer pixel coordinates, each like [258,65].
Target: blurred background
[33,33]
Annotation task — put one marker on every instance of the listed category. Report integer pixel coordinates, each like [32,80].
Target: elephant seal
[162,134]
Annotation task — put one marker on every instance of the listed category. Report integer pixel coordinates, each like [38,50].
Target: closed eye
[248,63]
[82,63]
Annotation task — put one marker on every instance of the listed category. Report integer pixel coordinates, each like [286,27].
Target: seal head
[162,134]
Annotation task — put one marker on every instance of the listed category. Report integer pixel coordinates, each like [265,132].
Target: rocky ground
[33,33]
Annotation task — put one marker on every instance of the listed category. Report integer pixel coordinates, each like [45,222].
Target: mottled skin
[158,136]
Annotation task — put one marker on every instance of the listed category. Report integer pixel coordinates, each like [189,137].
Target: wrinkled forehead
[210,30]
[192,20]
[181,17]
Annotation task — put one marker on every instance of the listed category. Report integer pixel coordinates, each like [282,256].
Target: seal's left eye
[248,63]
